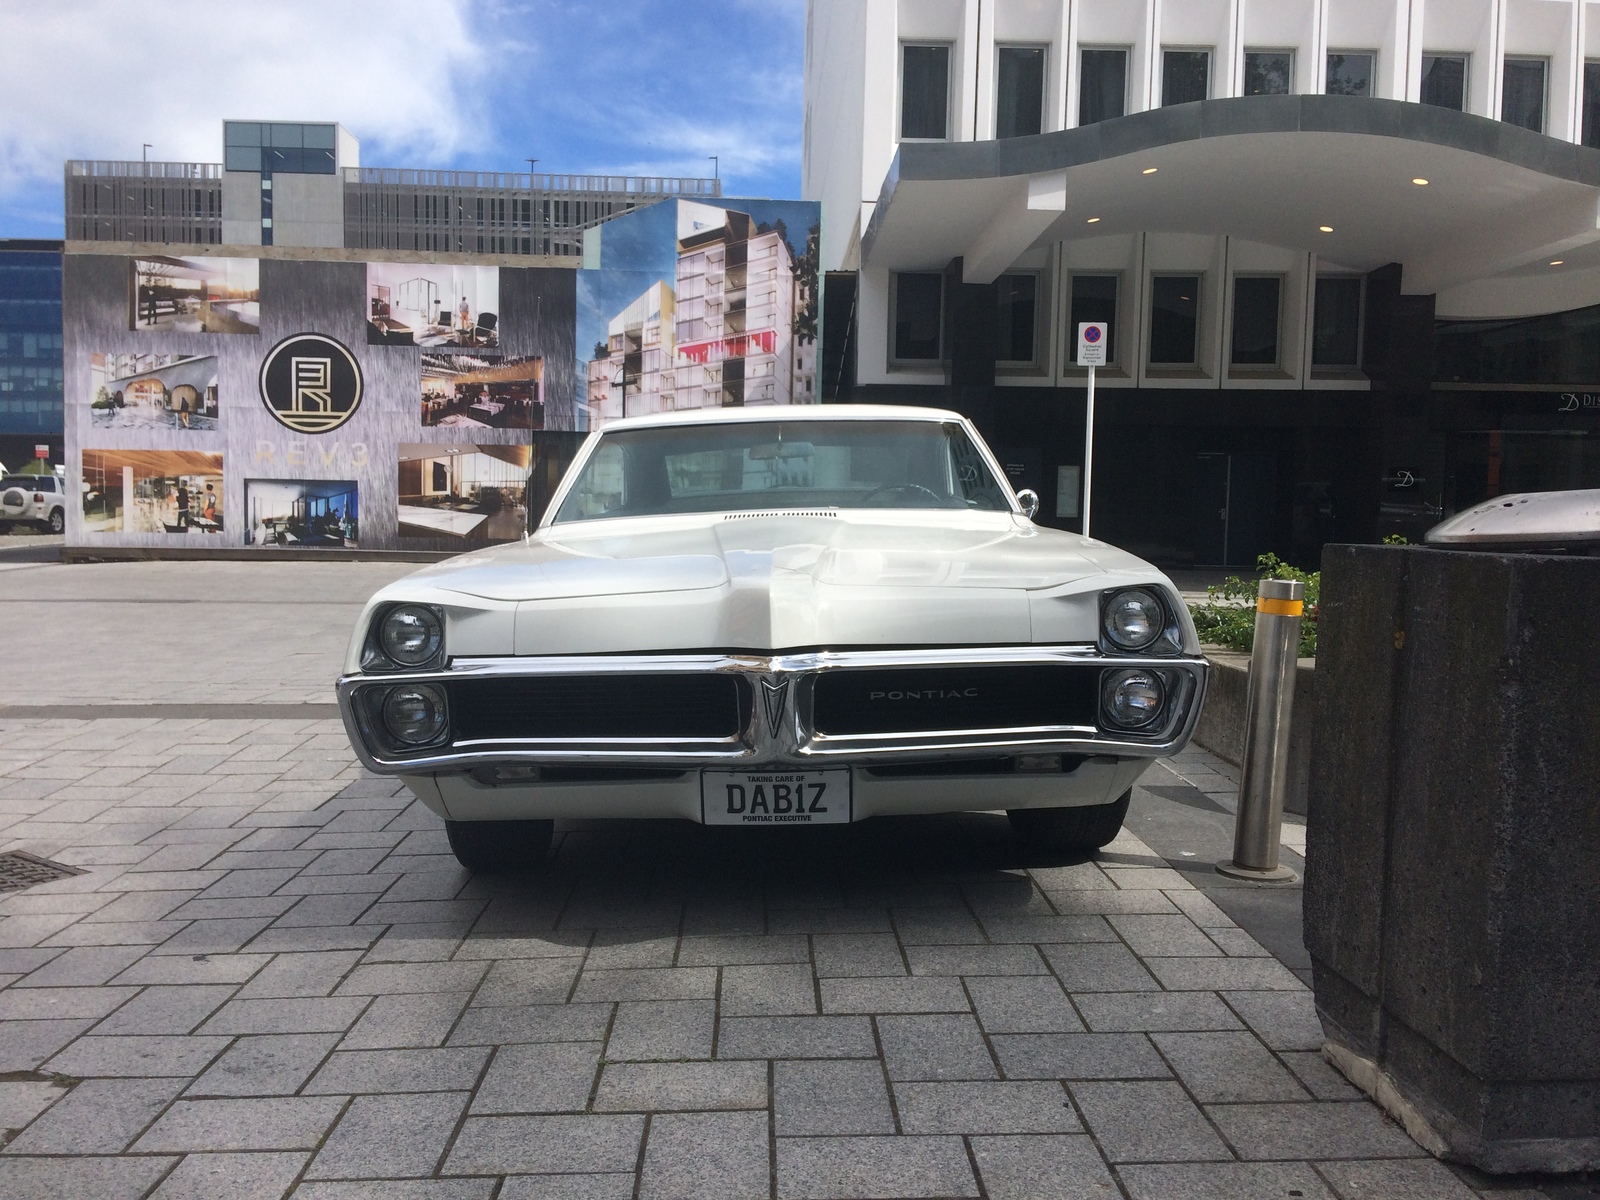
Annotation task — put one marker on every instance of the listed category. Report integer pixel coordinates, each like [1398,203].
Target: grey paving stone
[1172,935]
[975,960]
[1147,1122]
[1312,1130]
[772,990]
[525,981]
[173,968]
[1283,1020]
[349,1072]
[1099,967]
[204,907]
[796,1037]
[844,1168]
[21,1100]
[1063,1167]
[1074,877]
[26,1044]
[1321,1080]
[1048,928]
[1403,1179]
[684,1087]
[492,945]
[1238,944]
[288,1015]
[936,926]
[167,1008]
[827,920]
[1219,974]
[33,1004]
[232,1177]
[397,1189]
[614,1186]
[116,933]
[1086,902]
[263,882]
[83,966]
[1124,1012]
[418,943]
[315,973]
[706,1156]
[531,1023]
[1143,878]
[661,1030]
[841,955]
[1227,1067]
[278,1123]
[100,1116]
[1024,1004]
[983,1107]
[1078,1056]
[136,1056]
[213,937]
[1198,907]
[61,1178]
[550,1078]
[617,951]
[1226,1181]
[389,1136]
[934,1047]
[545,1145]
[731,951]
[664,983]
[830,1097]
[326,908]
[384,979]
[265,1065]
[904,995]
[412,1019]
[20,961]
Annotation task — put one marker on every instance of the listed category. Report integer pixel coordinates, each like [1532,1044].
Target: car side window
[600,486]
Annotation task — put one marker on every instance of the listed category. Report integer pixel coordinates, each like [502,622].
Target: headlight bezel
[1112,680]
[378,654]
[433,695]
[1167,639]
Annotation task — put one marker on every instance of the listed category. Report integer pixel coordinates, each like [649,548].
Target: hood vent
[788,512]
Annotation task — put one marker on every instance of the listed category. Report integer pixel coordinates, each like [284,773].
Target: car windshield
[744,465]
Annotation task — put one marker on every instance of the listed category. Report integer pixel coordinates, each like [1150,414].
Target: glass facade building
[30,350]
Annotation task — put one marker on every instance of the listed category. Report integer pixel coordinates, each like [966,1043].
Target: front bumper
[777,723]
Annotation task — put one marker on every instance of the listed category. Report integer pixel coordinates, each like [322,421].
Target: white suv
[38,500]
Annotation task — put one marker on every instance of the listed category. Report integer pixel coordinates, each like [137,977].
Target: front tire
[500,847]
[1080,830]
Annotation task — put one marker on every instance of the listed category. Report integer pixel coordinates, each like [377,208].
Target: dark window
[1561,348]
[1591,104]
[1174,319]
[1015,322]
[1336,323]
[1349,74]
[1522,93]
[918,307]
[1444,81]
[1255,320]
[1094,298]
[925,92]
[1268,72]
[1019,91]
[1102,86]
[1185,76]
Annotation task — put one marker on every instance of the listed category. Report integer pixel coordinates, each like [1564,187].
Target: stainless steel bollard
[1264,773]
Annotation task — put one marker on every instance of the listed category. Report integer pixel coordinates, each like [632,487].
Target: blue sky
[608,86]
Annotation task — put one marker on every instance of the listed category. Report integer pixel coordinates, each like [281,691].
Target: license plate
[775,797]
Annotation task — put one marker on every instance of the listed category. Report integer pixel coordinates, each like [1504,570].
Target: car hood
[777,580]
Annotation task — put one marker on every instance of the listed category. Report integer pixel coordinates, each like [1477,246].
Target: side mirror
[1029,499]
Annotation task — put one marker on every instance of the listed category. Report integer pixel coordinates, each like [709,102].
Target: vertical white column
[1319,48]
[1574,108]
[1071,66]
[964,72]
[1055,113]
[1409,18]
[1230,55]
[983,70]
[1497,55]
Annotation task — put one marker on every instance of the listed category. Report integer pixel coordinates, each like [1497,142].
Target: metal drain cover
[19,869]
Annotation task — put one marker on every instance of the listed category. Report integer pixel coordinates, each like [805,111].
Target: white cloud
[96,78]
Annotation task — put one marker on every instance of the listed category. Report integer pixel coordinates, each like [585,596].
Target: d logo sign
[311,383]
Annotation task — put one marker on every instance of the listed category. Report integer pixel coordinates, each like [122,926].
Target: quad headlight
[1132,699]
[411,635]
[1133,619]
[415,714]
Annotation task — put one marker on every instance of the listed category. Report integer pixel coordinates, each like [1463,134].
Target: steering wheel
[888,488]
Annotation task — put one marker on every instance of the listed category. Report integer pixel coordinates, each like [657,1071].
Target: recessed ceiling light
[1325,228]
[1149,170]
[1092,220]
[1556,262]
[1420,182]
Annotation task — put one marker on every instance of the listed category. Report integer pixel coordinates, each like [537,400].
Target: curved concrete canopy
[1499,201]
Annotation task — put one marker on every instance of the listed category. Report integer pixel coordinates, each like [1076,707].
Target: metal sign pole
[1088,454]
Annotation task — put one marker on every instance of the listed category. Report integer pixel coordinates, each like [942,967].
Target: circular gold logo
[311,383]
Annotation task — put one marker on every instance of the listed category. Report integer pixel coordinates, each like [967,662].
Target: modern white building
[1349,249]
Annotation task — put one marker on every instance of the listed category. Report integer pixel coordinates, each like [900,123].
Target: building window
[1522,93]
[1349,73]
[1019,91]
[1268,72]
[918,311]
[1016,319]
[1256,310]
[1185,76]
[1094,298]
[1102,85]
[1591,104]
[1174,320]
[1336,322]
[924,93]
[1444,81]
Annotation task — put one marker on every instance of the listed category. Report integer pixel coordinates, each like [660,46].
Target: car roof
[786,412]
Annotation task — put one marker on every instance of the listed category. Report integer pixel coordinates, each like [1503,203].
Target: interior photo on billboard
[152,491]
[159,391]
[310,514]
[434,305]
[459,391]
[195,295]
[465,492]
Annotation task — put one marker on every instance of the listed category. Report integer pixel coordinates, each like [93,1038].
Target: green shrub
[1228,618]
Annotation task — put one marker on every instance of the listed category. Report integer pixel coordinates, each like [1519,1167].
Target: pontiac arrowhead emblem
[772,698]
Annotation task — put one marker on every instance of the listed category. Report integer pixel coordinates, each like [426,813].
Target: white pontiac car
[759,616]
